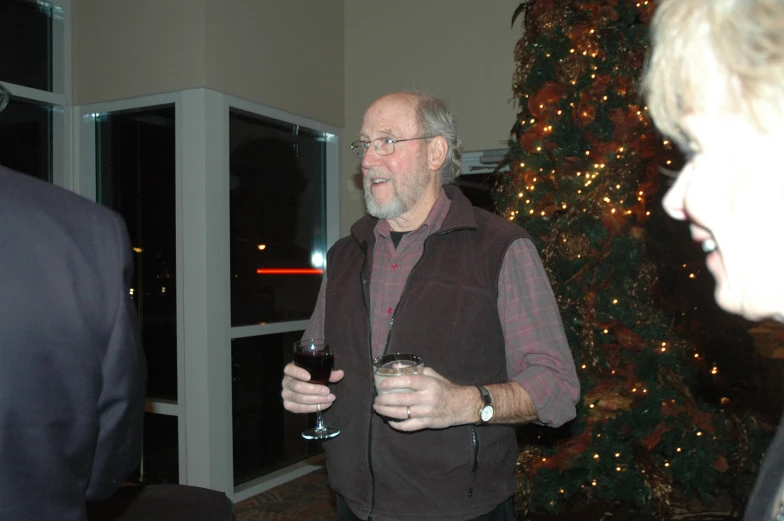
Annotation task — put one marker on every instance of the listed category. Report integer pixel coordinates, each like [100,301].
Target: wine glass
[315,355]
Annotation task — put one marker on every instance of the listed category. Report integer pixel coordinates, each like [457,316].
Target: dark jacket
[770,482]
[72,373]
[448,314]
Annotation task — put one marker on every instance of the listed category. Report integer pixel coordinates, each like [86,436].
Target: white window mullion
[50,98]
[207,406]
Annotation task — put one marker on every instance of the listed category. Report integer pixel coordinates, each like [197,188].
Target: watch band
[486,398]
[486,412]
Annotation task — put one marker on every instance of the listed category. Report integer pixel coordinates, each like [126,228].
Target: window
[278,223]
[266,437]
[26,137]
[283,213]
[35,67]
[26,29]
[211,186]
[135,169]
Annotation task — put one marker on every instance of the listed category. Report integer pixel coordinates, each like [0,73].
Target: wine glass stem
[319,421]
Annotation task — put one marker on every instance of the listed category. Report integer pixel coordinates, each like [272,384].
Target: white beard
[405,193]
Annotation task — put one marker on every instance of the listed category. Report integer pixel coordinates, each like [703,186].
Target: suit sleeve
[120,406]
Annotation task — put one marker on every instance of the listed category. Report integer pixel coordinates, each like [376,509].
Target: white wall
[284,54]
[125,49]
[461,50]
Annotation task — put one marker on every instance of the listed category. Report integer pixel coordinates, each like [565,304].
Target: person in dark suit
[72,369]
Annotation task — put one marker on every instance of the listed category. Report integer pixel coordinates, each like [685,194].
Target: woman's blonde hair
[739,43]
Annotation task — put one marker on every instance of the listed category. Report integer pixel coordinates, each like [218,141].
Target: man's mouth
[378,180]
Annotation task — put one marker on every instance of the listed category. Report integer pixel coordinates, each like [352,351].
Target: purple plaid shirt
[537,354]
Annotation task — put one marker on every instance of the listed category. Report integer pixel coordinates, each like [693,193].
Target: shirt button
[394,266]
[389,310]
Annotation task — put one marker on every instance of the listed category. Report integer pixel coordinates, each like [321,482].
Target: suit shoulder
[27,195]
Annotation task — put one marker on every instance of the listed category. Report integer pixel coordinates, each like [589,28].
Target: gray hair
[435,119]
[739,43]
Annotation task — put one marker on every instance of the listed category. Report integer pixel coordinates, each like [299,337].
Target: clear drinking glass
[315,355]
[396,364]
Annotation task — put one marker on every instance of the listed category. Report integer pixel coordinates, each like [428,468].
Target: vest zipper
[386,347]
[366,297]
[475,466]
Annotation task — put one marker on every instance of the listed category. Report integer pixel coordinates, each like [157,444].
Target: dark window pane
[26,43]
[26,137]
[266,437]
[135,157]
[160,452]
[278,219]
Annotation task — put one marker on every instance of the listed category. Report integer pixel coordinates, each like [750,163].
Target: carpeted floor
[307,498]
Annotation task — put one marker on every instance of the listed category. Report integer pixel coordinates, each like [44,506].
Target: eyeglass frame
[364,146]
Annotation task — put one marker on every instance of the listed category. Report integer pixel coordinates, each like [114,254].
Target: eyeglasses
[383,146]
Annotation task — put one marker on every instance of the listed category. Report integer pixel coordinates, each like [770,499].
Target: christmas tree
[654,426]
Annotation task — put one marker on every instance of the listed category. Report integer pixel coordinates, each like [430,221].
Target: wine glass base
[324,433]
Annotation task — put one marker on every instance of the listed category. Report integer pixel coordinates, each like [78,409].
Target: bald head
[430,117]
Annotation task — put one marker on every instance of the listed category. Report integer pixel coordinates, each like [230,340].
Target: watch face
[487,413]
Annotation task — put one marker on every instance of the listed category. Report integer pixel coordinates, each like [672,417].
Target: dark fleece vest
[447,314]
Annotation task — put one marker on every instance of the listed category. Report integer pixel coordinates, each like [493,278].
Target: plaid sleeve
[537,354]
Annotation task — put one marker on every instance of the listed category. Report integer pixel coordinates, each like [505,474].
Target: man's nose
[371,158]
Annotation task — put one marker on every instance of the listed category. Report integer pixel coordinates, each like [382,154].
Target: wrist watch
[486,412]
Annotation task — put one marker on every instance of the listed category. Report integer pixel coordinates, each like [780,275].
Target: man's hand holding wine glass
[299,395]
[316,358]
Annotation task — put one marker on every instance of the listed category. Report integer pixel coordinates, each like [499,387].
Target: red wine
[319,365]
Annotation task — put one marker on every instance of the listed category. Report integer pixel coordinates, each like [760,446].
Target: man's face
[732,192]
[394,184]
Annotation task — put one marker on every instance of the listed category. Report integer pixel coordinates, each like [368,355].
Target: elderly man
[429,274]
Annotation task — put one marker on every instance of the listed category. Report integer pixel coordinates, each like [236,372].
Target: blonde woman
[715,85]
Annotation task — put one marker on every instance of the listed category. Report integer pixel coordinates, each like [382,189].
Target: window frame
[59,99]
[204,406]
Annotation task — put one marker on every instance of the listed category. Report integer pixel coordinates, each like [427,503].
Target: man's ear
[436,153]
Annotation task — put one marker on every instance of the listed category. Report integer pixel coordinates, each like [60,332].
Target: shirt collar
[432,223]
